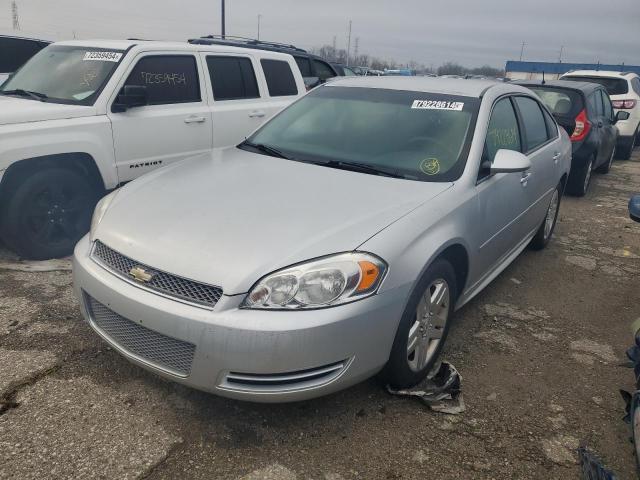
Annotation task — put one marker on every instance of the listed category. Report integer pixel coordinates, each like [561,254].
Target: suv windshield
[561,101]
[614,86]
[415,135]
[64,74]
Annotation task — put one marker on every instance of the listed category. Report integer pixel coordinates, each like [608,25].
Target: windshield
[415,135]
[561,101]
[614,86]
[64,74]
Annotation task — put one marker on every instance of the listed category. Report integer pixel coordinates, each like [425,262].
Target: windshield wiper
[269,150]
[364,168]
[26,93]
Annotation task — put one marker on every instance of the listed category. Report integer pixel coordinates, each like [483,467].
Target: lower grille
[166,353]
[267,382]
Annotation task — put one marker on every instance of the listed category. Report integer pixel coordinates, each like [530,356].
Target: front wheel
[544,233]
[423,327]
[48,212]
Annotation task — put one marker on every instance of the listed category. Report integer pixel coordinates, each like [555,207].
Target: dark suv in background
[314,69]
[585,111]
[15,51]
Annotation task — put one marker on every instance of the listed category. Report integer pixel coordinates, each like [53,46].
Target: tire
[605,167]
[580,179]
[407,368]
[545,232]
[625,151]
[47,213]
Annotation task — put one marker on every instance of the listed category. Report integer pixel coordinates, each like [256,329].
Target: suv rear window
[279,78]
[614,86]
[562,102]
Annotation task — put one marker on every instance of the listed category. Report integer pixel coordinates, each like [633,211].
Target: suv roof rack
[243,41]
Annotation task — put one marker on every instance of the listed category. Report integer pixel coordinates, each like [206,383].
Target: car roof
[596,73]
[586,87]
[451,86]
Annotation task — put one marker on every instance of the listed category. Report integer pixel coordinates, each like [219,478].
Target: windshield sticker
[430,166]
[438,105]
[102,56]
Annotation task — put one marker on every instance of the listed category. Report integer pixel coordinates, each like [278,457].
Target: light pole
[349,44]
[223,21]
[521,49]
[259,17]
[560,57]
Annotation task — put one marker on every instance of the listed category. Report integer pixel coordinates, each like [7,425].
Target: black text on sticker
[438,105]
[103,56]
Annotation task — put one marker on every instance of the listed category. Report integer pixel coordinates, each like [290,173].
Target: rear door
[239,103]
[609,132]
[175,124]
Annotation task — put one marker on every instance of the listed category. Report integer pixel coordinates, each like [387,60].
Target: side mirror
[567,123]
[311,82]
[634,207]
[621,116]
[510,161]
[129,97]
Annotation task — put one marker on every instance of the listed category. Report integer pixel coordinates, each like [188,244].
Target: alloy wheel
[551,214]
[425,334]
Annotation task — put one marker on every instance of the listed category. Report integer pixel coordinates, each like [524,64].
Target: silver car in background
[335,243]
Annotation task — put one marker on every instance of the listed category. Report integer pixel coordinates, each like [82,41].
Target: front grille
[167,353]
[165,283]
[274,382]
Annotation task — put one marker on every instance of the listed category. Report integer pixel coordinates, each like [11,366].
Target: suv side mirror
[509,161]
[634,208]
[621,116]
[130,96]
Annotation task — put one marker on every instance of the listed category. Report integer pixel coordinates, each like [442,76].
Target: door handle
[194,119]
[257,114]
[525,178]
[556,157]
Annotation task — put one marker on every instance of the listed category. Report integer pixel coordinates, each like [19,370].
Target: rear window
[14,52]
[279,78]
[561,102]
[614,86]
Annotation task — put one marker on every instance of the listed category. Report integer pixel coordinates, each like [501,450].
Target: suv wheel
[580,178]
[47,213]
[423,327]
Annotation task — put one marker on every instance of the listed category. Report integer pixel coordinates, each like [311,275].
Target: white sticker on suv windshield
[438,105]
[103,56]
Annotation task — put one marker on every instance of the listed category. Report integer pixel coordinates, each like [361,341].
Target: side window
[279,77]
[232,78]
[503,131]
[608,109]
[168,78]
[594,102]
[552,127]
[323,71]
[535,128]
[304,65]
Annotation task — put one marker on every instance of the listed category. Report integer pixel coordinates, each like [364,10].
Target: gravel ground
[540,352]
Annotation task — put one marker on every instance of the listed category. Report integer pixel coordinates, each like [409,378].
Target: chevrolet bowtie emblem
[140,274]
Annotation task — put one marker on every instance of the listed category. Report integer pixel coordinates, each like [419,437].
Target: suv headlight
[101,208]
[323,282]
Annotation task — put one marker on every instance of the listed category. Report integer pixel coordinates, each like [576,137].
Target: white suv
[82,117]
[624,91]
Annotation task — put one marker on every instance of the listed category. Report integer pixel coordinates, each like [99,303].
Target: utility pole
[14,15]
[259,17]
[223,20]
[521,49]
[355,50]
[349,44]
[560,57]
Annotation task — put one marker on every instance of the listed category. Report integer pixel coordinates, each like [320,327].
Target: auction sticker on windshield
[103,56]
[438,105]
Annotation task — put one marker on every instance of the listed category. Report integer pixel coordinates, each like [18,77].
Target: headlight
[100,210]
[325,282]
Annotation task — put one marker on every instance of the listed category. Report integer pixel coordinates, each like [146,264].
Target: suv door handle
[194,119]
[525,178]
[556,157]
[257,114]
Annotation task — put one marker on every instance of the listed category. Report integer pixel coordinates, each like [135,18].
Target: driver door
[174,125]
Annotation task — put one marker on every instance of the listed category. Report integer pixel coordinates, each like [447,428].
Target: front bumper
[264,356]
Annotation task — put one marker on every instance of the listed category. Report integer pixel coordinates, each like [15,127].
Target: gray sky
[471,32]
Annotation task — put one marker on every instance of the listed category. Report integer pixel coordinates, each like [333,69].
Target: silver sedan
[334,244]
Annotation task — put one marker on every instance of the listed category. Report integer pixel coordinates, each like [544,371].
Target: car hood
[233,216]
[23,110]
